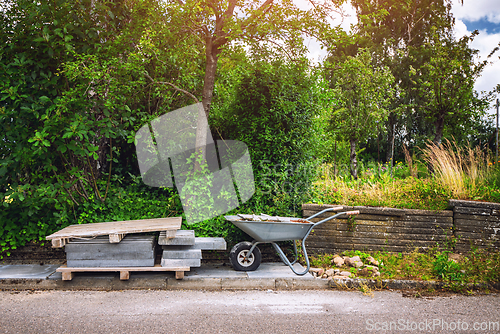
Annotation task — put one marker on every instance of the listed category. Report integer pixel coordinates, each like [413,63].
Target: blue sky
[483,25]
[484,16]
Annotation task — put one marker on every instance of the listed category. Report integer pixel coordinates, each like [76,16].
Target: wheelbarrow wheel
[240,261]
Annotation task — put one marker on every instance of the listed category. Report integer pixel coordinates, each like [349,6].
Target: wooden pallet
[68,273]
[115,230]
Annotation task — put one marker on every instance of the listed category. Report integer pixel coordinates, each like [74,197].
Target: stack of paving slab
[185,249]
[132,251]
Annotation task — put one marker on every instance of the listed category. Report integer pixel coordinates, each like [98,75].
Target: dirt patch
[34,252]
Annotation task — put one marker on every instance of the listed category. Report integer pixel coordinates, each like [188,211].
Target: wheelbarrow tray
[272,231]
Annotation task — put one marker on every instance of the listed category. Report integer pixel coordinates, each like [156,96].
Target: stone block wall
[403,230]
[476,224]
[377,228]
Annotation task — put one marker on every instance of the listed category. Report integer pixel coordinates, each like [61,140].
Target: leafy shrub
[272,113]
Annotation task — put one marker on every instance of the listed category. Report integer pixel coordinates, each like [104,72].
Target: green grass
[476,267]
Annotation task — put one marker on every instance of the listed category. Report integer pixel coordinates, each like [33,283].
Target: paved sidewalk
[269,276]
[207,277]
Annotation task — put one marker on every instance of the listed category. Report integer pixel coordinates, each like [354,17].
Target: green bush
[272,111]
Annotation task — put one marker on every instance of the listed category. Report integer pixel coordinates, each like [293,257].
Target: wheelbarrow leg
[296,254]
[284,259]
[254,244]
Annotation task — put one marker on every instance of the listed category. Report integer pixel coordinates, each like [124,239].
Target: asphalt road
[244,312]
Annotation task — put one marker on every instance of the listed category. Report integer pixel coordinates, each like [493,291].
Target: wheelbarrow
[246,256]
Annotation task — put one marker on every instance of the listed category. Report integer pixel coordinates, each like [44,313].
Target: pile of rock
[343,269]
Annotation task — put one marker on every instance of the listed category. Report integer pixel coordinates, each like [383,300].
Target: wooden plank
[473,204]
[58,243]
[476,217]
[119,227]
[124,275]
[429,219]
[472,211]
[116,238]
[334,230]
[157,267]
[67,276]
[437,213]
[68,273]
[396,223]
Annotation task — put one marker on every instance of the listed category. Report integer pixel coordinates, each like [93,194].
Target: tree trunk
[212,54]
[354,162]
[390,137]
[335,159]
[439,125]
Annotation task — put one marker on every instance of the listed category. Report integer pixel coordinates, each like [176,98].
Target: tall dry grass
[460,169]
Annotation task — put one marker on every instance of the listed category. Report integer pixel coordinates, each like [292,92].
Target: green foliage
[475,267]
[481,266]
[444,84]
[130,202]
[362,255]
[73,90]
[272,112]
[362,96]
[446,269]
[351,224]
[77,79]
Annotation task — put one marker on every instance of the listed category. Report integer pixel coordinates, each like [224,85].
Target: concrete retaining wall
[403,230]
[476,224]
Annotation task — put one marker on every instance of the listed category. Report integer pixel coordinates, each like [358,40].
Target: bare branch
[174,87]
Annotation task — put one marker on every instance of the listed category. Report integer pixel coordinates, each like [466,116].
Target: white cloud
[474,10]
[349,17]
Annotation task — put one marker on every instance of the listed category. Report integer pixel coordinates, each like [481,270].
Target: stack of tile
[185,249]
[131,251]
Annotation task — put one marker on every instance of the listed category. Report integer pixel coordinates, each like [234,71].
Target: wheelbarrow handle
[337,208]
[349,213]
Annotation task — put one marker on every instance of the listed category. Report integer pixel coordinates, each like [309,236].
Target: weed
[351,224]
[365,289]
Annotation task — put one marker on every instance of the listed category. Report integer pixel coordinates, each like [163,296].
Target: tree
[444,85]
[362,96]
[218,24]
[390,28]
[72,93]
